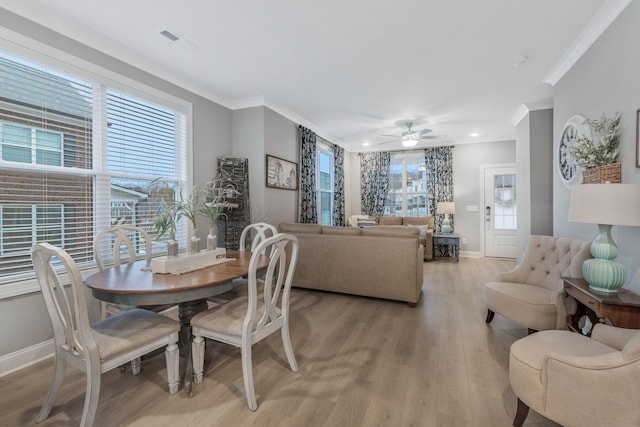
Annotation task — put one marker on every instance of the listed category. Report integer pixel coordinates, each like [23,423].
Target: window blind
[77,156]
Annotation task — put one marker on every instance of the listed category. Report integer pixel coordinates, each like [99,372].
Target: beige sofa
[380,262]
[425,224]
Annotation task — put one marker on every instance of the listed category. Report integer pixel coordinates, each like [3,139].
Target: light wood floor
[363,362]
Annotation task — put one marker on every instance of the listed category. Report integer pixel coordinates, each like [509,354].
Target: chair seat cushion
[527,357]
[528,305]
[134,328]
[228,318]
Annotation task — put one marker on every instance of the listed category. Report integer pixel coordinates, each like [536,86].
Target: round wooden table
[135,284]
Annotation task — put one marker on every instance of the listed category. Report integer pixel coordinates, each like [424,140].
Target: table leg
[186,310]
[457,249]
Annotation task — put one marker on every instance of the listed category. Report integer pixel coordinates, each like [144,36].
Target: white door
[500,212]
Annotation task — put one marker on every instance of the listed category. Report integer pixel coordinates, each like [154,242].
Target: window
[504,188]
[77,156]
[407,186]
[325,185]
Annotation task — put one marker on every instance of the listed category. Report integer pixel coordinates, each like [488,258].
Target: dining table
[135,284]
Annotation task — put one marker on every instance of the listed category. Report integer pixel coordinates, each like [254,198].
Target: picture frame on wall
[281,173]
[638,138]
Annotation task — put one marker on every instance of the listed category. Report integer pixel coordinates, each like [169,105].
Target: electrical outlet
[464,240]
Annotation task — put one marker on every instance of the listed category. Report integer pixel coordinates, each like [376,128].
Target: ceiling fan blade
[393,136]
[433,137]
[387,142]
[424,132]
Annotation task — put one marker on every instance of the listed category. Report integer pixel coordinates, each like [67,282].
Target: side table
[446,239]
[621,308]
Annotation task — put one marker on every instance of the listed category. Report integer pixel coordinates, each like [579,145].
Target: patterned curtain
[308,203]
[439,164]
[374,181]
[338,186]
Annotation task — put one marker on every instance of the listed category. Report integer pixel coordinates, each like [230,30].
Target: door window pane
[504,194]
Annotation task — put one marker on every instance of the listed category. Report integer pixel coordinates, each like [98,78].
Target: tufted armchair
[532,293]
[578,381]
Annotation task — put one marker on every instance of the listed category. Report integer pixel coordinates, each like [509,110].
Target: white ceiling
[349,69]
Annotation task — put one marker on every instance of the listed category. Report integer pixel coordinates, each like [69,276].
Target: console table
[621,308]
[452,239]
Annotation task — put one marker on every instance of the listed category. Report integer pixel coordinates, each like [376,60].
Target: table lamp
[446,208]
[606,205]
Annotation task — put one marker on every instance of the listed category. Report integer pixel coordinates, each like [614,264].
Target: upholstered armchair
[532,293]
[578,381]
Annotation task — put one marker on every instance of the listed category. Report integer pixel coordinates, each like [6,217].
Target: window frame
[403,158]
[322,149]
[36,53]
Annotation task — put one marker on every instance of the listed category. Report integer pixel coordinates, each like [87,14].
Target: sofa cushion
[389,220]
[294,227]
[419,220]
[391,231]
[351,231]
[422,228]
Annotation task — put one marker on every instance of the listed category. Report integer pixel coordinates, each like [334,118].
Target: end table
[452,239]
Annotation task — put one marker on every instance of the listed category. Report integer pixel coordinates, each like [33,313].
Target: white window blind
[75,157]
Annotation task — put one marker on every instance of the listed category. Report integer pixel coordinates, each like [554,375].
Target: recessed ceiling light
[517,61]
[474,134]
[366,144]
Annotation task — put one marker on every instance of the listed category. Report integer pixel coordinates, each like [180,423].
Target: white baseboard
[25,357]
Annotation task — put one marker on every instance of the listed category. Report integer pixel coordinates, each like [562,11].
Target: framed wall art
[638,138]
[281,173]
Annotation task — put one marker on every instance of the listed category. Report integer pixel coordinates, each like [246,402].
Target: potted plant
[598,156]
[190,208]
[168,213]
[214,205]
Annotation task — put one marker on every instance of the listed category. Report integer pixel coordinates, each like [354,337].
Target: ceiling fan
[410,138]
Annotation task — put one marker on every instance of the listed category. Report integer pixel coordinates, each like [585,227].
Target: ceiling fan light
[409,142]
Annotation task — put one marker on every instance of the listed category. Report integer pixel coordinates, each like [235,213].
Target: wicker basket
[599,175]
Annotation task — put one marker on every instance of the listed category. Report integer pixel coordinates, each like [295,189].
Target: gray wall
[541,171]
[467,185]
[605,80]
[211,138]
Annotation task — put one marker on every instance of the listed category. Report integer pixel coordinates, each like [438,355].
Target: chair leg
[247,373]
[521,414]
[135,366]
[490,315]
[92,396]
[54,389]
[172,357]
[197,354]
[288,348]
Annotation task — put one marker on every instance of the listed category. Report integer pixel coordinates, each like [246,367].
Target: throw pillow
[366,222]
[423,229]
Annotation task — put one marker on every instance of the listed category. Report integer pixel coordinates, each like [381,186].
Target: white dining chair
[247,320]
[118,245]
[101,346]
[253,234]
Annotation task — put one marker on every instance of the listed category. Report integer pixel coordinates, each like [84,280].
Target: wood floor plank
[363,362]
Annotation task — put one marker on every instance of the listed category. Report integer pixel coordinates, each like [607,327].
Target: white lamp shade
[446,208]
[612,204]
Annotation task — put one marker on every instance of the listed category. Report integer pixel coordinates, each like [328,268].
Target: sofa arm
[612,336]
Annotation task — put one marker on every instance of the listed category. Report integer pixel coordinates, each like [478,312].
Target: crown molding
[594,29]
[524,109]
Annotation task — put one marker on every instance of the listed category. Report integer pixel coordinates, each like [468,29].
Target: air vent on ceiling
[168,34]
[177,38]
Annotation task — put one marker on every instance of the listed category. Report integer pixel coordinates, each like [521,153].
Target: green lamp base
[602,273]
[445,227]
